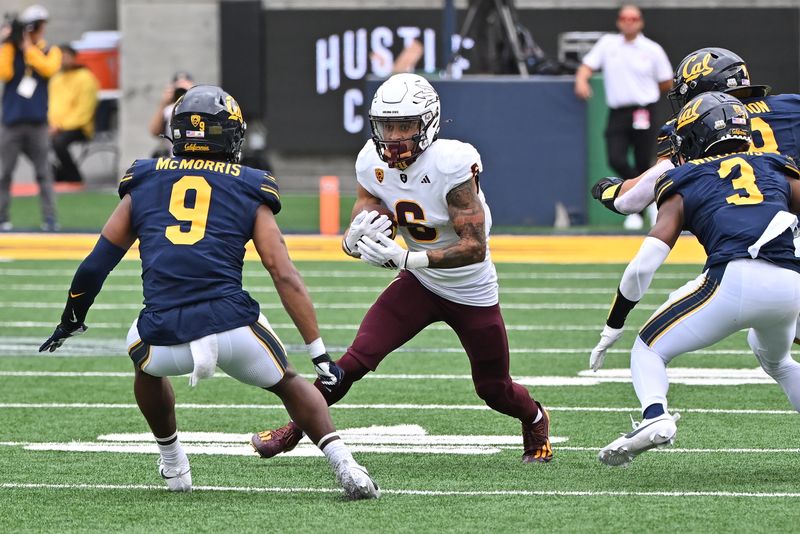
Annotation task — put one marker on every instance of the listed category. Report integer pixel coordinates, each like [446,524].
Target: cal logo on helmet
[234,109]
[695,68]
[689,114]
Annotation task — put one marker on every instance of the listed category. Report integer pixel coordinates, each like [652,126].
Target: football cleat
[356,482]
[178,478]
[272,442]
[536,439]
[648,434]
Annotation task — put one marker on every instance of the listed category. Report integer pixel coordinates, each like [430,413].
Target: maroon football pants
[405,308]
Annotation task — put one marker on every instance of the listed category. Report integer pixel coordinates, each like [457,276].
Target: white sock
[649,373]
[335,449]
[171,450]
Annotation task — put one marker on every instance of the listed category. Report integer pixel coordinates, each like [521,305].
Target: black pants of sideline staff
[621,135]
[66,170]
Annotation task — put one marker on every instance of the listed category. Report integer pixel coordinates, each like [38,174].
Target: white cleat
[356,482]
[178,478]
[649,434]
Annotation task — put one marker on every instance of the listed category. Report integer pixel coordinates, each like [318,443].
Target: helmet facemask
[399,140]
[404,119]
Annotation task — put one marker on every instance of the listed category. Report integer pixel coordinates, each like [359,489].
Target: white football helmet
[404,117]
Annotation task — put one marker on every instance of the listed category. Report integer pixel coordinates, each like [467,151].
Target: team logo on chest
[403,177]
[379,175]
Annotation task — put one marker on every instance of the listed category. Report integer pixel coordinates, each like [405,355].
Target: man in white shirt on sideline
[637,71]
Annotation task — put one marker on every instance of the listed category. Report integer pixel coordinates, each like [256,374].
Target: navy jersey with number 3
[729,200]
[193,218]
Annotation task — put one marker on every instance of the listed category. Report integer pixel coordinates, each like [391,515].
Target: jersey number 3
[195,215]
[746,181]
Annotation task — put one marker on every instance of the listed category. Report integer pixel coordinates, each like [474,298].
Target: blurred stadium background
[304,70]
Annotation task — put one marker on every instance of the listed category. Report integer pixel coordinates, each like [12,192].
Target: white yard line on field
[336,306]
[49,273]
[422,407]
[605,291]
[412,492]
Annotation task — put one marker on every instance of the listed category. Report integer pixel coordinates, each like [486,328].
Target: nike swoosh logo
[74,318]
[75,295]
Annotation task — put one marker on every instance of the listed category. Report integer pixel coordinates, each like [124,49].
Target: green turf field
[444,463]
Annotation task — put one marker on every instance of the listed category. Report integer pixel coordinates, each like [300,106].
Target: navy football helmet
[710,124]
[207,121]
[712,69]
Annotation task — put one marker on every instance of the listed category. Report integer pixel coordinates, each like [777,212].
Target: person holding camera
[159,124]
[26,65]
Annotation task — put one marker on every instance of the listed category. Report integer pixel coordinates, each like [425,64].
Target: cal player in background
[193,215]
[741,207]
[775,122]
[446,275]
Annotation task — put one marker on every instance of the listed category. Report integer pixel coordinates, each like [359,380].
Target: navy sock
[652,411]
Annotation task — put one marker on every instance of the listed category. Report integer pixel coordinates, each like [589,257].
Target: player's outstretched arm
[271,247]
[469,222]
[634,195]
[639,274]
[115,240]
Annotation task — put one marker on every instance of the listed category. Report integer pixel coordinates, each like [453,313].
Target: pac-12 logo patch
[379,175]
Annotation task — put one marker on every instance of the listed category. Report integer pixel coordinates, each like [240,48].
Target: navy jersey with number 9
[193,218]
[729,200]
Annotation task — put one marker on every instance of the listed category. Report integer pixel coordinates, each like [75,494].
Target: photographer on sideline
[181,82]
[26,64]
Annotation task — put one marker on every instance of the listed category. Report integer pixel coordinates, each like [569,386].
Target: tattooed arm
[466,214]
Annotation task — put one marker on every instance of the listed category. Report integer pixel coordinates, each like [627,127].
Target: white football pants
[751,294]
[251,354]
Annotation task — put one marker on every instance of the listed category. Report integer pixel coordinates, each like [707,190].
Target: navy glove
[330,374]
[61,333]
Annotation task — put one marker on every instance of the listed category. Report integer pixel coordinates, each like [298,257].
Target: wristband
[416,260]
[316,348]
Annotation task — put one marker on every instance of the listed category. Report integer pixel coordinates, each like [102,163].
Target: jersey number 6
[196,215]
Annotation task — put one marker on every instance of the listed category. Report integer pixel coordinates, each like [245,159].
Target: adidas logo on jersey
[426,180]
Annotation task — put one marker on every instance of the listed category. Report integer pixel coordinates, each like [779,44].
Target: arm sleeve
[88,280]
[642,194]
[45,63]
[636,279]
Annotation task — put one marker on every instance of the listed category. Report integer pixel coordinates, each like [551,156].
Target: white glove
[608,337]
[358,228]
[382,252]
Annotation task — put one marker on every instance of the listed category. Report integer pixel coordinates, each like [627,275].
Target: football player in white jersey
[431,185]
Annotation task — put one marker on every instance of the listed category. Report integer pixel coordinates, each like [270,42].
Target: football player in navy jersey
[193,214]
[775,122]
[432,187]
[741,205]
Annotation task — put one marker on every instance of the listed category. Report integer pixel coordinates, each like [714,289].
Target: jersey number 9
[196,215]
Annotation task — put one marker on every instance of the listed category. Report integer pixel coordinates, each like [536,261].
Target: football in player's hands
[391,232]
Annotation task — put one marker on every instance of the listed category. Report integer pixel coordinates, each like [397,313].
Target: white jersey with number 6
[418,197]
